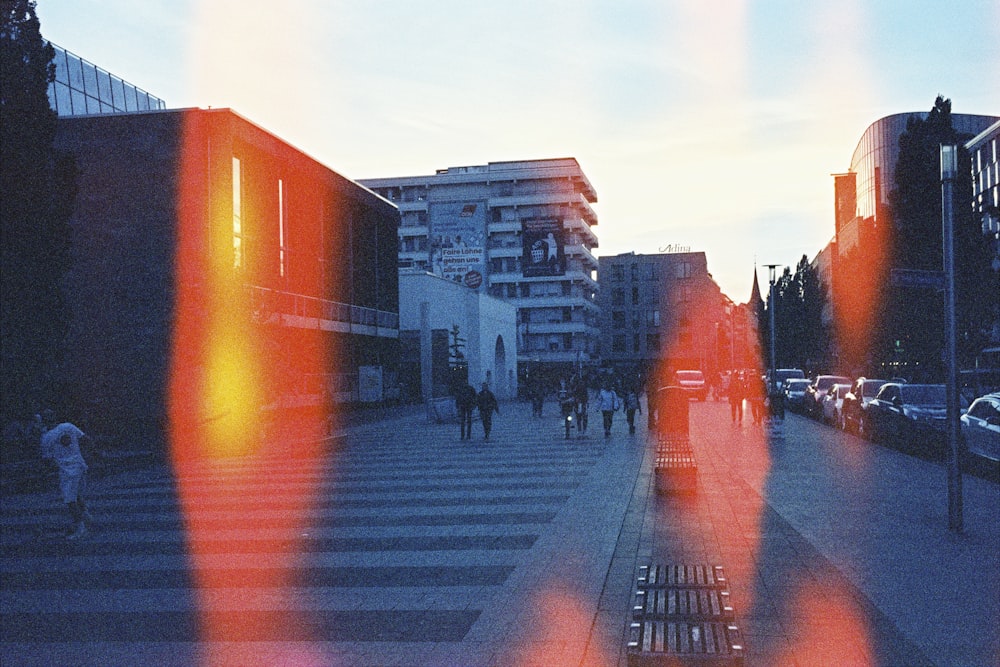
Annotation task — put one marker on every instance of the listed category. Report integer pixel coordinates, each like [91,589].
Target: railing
[266,302]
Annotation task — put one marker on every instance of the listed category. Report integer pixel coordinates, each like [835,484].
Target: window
[635,343]
[567,314]
[636,319]
[618,319]
[652,318]
[617,297]
[652,343]
[618,344]
[635,296]
[683,270]
[238,248]
[617,274]
[634,272]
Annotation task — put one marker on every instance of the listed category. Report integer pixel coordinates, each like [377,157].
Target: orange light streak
[223,381]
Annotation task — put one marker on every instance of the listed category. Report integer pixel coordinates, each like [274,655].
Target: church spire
[755,298]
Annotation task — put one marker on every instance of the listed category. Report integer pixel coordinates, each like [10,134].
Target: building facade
[220,271]
[464,334]
[81,88]
[519,231]
[663,311]
[984,149]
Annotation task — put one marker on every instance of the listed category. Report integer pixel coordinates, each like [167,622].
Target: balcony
[306,312]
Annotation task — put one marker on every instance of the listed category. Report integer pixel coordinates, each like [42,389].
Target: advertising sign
[543,252]
[458,241]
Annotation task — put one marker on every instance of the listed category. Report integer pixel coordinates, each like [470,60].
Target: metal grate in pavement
[656,643]
[671,603]
[677,576]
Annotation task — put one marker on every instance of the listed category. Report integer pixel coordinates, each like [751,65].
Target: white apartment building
[521,231]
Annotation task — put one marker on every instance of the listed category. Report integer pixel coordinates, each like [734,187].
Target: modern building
[81,88]
[662,310]
[984,149]
[451,333]
[861,194]
[221,272]
[861,259]
[519,231]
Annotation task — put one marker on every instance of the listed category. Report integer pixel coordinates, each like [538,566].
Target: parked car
[817,390]
[856,403]
[981,427]
[832,403]
[908,416]
[795,394]
[694,383]
[781,375]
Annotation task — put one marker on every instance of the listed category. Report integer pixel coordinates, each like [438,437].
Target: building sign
[543,251]
[457,240]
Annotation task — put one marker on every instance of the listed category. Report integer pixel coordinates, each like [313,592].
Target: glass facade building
[82,88]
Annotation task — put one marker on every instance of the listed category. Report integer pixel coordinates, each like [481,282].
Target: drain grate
[670,603]
[689,576]
[655,642]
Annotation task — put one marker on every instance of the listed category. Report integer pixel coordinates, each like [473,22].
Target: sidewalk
[837,550]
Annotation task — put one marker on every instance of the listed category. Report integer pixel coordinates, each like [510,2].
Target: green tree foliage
[915,316]
[801,341]
[36,191]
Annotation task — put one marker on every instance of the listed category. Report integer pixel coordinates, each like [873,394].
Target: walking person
[631,405]
[581,400]
[566,405]
[607,403]
[465,403]
[487,406]
[60,443]
[736,398]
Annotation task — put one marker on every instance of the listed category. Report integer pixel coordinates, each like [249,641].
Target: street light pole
[771,305]
[949,169]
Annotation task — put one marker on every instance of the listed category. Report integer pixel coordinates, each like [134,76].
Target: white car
[981,427]
[833,401]
[694,383]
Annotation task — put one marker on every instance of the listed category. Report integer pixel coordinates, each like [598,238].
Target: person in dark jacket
[465,403]
[487,406]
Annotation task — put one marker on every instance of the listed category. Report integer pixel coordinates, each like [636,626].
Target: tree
[798,318]
[36,188]
[914,316]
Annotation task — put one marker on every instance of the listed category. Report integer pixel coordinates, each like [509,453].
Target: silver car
[981,427]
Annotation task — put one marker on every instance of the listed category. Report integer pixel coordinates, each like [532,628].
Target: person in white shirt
[61,444]
[608,402]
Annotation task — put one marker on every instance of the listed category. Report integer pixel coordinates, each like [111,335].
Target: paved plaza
[400,544]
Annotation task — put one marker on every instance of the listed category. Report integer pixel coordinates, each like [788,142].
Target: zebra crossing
[399,544]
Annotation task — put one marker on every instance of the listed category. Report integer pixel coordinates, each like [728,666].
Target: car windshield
[923,394]
[690,376]
[797,385]
[872,386]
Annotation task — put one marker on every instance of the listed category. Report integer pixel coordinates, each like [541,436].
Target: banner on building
[543,251]
[458,241]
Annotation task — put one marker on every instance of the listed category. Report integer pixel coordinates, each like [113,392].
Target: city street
[402,545]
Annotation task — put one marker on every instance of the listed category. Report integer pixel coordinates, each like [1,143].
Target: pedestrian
[757,390]
[736,398]
[581,400]
[465,403]
[631,405]
[487,406]
[60,443]
[608,402]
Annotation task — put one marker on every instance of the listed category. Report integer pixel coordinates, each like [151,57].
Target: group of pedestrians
[751,388]
[467,400]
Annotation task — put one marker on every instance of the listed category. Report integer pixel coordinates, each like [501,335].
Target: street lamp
[949,170]
[771,306]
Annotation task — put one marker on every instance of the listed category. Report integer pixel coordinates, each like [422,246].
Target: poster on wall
[543,251]
[458,241]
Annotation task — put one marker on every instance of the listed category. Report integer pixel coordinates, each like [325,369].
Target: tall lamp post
[771,305]
[949,169]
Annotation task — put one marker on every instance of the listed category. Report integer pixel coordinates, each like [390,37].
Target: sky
[710,124]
